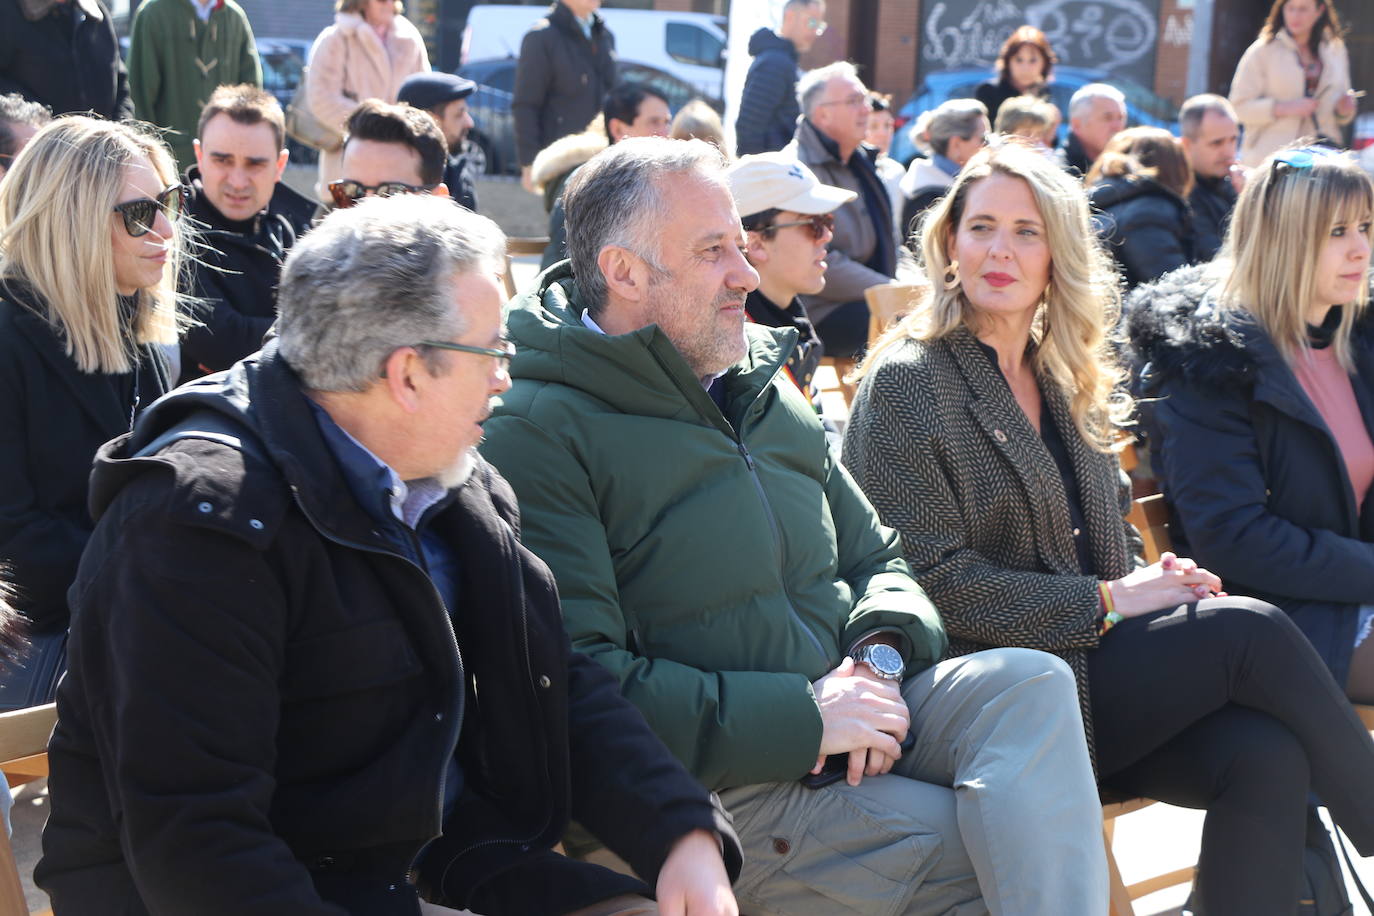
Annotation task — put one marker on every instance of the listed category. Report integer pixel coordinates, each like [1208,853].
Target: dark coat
[768,108]
[1212,200]
[805,357]
[460,175]
[1072,157]
[992,93]
[1147,227]
[264,694]
[948,458]
[236,275]
[54,417]
[560,81]
[1256,485]
[45,59]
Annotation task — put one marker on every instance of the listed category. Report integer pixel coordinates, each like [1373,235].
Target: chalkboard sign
[1118,36]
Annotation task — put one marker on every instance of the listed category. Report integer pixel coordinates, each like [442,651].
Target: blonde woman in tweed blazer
[982,432]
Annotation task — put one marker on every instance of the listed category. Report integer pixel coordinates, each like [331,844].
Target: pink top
[1328,385]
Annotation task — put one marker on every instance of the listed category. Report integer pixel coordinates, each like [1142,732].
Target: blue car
[1142,106]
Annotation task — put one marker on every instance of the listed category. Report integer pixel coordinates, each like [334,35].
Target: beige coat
[349,63]
[1270,72]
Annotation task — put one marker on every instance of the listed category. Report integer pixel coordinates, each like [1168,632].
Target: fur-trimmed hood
[567,153]
[1177,330]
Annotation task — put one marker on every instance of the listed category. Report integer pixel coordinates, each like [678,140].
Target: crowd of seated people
[374,588]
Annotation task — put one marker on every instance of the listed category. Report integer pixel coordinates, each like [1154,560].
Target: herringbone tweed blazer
[949,459]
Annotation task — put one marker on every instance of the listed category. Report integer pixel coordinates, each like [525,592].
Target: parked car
[490,104]
[688,46]
[1143,107]
[283,67]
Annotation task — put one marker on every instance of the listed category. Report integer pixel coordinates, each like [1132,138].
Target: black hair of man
[15,109]
[381,122]
[622,103]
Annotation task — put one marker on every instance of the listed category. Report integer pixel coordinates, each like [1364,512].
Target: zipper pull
[744,453]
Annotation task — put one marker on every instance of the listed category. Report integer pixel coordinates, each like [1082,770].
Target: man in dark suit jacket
[567,65]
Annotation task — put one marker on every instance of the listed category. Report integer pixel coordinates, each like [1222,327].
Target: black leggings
[1225,705]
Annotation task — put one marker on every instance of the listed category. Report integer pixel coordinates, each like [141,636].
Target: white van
[689,46]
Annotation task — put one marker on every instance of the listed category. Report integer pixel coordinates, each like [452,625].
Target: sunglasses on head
[820,224]
[347,192]
[1306,157]
[139,215]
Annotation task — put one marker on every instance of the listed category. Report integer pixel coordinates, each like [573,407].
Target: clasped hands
[862,715]
[1168,583]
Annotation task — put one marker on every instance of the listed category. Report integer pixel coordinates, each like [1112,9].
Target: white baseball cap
[774,181]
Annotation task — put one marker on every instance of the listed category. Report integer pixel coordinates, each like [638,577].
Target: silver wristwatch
[882,660]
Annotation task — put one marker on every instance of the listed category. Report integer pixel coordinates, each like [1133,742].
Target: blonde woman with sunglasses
[90,250]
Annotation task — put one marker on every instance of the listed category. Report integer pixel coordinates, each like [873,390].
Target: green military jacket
[717,562]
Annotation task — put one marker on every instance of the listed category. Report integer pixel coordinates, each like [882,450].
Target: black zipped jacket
[235,275]
[264,694]
[561,79]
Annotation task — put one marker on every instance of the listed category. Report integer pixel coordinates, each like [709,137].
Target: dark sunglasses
[1306,157]
[347,192]
[139,215]
[820,224]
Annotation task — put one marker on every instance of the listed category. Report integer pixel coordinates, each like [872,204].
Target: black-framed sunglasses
[502,355]
[346,192]
[820,224]
[139,215]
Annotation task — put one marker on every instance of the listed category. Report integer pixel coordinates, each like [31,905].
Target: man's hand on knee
[693,882]
[863,716]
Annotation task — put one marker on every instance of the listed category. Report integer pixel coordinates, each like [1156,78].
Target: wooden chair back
[888,303]
[24,737]
[520,247]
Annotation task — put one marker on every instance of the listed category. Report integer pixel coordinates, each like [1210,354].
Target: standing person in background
[79,334]
[19,121]
[1210,132]
[566,67]
[366,54]
[247,219]
[768,106]
[879,136]
[180,51]
[445,97]
[1024,66]
[1294,81]
[64,54]
[863,251]
[1139,187]
[1097,112]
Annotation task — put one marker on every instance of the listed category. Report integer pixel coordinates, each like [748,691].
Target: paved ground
[1149,842]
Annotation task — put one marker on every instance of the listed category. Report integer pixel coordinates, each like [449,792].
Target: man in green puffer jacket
[715,557]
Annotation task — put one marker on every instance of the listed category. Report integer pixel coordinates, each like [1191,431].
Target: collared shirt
[710,386]
[945,164]
[204,8]
[586,24]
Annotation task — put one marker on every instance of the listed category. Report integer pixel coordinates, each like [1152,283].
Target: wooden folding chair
[888,303]
[518,247]
[23,758]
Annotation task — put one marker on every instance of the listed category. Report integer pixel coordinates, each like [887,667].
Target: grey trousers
[995,809]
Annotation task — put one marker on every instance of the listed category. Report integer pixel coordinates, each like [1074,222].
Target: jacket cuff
[904,647]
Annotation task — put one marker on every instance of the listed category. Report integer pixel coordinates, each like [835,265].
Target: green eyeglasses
[140,214]
[503,355]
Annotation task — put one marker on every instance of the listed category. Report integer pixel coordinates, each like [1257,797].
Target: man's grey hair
[1195,109]
[615,200]
[376,277]
[15,109]
[1083,99]
[811,86]
[960,118]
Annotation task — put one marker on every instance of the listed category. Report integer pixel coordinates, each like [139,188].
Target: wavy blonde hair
[1275,282]
[56,216]
[1081,301]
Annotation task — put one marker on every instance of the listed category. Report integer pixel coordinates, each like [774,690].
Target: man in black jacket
[566,66]
[312,668]
[63,53]
[768,107]
[248,220]
[1211,132]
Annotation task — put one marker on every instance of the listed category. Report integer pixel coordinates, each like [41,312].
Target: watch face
[884,659]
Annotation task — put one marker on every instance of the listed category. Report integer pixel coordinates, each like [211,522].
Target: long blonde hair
[1281,222]
[56,208]
[1080,303]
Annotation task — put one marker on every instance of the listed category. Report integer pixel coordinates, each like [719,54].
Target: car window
[281,70]
[692,44]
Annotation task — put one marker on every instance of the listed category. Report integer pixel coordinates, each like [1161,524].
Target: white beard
[457,473]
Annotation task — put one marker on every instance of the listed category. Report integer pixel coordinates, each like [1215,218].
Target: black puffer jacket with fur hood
[1258,490]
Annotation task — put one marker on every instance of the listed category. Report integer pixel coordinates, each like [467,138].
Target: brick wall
[899,27]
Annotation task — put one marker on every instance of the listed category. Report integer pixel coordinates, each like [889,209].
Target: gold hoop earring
[952,276]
